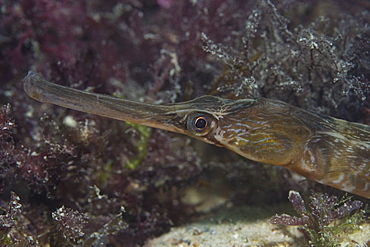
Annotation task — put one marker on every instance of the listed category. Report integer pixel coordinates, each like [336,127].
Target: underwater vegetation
[64,175]
[327,219]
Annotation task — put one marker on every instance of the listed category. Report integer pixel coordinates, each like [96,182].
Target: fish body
[321,148]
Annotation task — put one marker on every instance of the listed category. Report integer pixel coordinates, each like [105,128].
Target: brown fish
[321,148]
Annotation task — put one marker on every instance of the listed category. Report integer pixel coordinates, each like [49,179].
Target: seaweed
[13,225]
[70,222]
[309,65]
[142,146]
[326,220]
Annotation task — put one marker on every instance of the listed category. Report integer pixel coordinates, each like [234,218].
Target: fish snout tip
[32,84]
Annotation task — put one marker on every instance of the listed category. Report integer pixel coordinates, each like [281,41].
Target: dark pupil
[200,123]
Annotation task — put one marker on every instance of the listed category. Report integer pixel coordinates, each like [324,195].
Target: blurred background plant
[326,221]
[69,169]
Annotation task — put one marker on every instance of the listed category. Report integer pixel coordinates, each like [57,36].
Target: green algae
[142,146]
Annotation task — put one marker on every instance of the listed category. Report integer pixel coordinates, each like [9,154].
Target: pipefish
[321,148]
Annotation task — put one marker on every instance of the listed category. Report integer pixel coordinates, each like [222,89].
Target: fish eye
[199,124]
